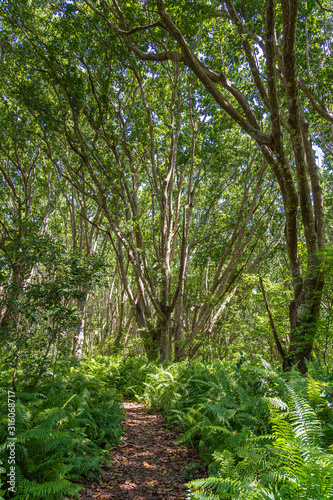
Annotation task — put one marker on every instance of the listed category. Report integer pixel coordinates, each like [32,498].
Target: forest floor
[148,463]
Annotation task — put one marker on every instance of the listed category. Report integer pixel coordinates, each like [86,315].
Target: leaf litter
[148,463]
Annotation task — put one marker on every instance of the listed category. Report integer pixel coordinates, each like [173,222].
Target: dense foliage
[266,435]
[188,146]
[64,429]
[166,197]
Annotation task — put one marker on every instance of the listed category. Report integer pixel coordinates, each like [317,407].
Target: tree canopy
[188,146]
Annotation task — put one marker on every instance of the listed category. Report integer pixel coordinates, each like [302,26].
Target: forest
[166,238]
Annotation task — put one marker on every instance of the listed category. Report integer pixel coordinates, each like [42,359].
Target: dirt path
[148,464]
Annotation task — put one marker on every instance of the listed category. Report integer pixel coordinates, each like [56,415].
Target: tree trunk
[163,337]
[304,315]
[78,340]
[121,312]
[7,314]
[178,330]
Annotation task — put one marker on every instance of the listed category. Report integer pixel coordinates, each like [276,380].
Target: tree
[138,145]
[269,100]
[42,286]
[264,87]
[25,207]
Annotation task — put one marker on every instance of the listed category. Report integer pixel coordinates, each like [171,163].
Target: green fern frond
[31,490]
[314,390]
[277,403]
[304,420]
[217,485]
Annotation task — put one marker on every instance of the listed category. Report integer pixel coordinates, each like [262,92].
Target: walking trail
[148,464]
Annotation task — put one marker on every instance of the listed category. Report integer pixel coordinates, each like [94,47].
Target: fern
[308,468]
[61,428]
[52,489]
[304,420]
[287,464]
[2,471]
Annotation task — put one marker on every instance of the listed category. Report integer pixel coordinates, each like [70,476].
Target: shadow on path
[148,464]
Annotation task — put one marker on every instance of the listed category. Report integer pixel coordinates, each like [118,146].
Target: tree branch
[271,322]
[323,8]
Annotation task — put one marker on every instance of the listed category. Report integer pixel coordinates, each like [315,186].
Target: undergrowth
[266,435]
[63,429]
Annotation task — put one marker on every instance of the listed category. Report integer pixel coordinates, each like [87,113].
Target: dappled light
[166,250]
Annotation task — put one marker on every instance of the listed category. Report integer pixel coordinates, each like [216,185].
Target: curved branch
[322,112]
[323,8]
[249,53]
